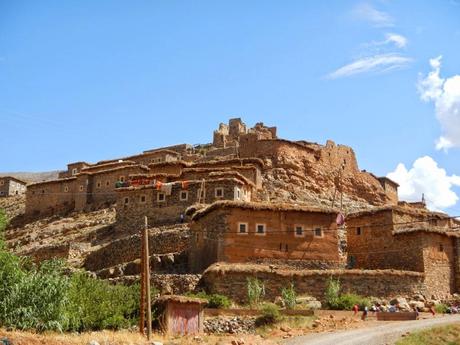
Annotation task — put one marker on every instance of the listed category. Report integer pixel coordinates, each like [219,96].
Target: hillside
[33,176]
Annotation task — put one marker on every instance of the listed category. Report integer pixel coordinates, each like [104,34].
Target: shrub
[215,301]
[219,301]
[33,297]
[289,296]
[347,301]
[3,224]
[95,304]
[331,294]
[256,291]
[270,315]
[441,308]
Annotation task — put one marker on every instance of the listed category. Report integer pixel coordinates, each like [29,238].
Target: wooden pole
[142,300]
[147,280]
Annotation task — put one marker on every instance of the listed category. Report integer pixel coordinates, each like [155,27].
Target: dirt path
[385,333]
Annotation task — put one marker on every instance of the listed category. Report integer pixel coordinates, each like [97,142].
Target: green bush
[3,224]
[95,304]
[441,308]
[331,295]
[289,296]
[348,300]
[215,301]
[219,301]
[270,315]
[256,291]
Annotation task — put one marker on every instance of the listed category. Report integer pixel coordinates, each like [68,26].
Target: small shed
[179,315]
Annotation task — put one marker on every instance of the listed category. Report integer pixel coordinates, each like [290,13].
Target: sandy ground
[381,334]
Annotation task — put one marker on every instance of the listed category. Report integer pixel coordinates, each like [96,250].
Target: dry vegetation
[446,335]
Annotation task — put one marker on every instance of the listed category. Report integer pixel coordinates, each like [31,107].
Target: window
[441,248]
[318,232]
[99,184]
[183,195]
[43,191]
[66,189]
[161,197]
[1,193]
[74,171]
[243,228]
[219,192]
[122,179]
[2,182]
[126,201]
[237,194]
[81,188]
[107,183]
[260,229]
[358,231]
[142,199]
[299,231]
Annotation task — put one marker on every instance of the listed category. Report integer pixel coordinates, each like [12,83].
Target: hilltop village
[248,204]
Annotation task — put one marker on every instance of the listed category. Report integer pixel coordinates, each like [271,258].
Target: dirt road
[384,333]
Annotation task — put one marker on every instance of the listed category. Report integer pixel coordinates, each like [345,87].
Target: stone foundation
[231,280]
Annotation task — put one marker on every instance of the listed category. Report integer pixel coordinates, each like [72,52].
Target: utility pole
[142,301]
[147,279]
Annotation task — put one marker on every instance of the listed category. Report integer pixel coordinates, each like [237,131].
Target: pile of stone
[230,325]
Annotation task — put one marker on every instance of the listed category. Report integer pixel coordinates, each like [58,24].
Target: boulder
[418,297]
[402,304]
[417,304]
[309,302]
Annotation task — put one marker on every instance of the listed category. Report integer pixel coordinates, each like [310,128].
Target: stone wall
[134,203]
[216,237]
[161,241]
[231,280]
[10,186]
[371,244]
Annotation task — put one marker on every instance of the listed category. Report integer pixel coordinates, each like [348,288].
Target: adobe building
[237,232]
[407,238]
[166,202]
[10,186]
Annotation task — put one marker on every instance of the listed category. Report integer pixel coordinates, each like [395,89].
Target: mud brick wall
[161,241]
[131,209]
[232,281]
[371,244]
[439,264]
[215,237]
[50,197]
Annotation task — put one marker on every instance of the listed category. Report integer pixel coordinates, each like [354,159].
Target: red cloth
[340,219]
[158,185]
[184,184]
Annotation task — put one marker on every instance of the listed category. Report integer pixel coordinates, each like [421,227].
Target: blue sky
[91,80]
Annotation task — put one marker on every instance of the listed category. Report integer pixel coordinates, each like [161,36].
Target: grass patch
[445,335]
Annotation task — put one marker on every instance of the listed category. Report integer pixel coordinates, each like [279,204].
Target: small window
[1,193]
[299,231]
[81,188]
[243,228]
[2,182]
[43,191]
[142,199]
[237,194]
[99,185]
[441,248]
[107,183]
[260,229]
[358,231]
[219,192]
[66,189]
[161,197]
[122,179]
[318,232]
[183,195]
[74,171]
[126,201]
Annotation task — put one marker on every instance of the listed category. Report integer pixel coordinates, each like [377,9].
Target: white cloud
[398,40]
[445,93]
[425,176]
[366,12]
[374,64]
